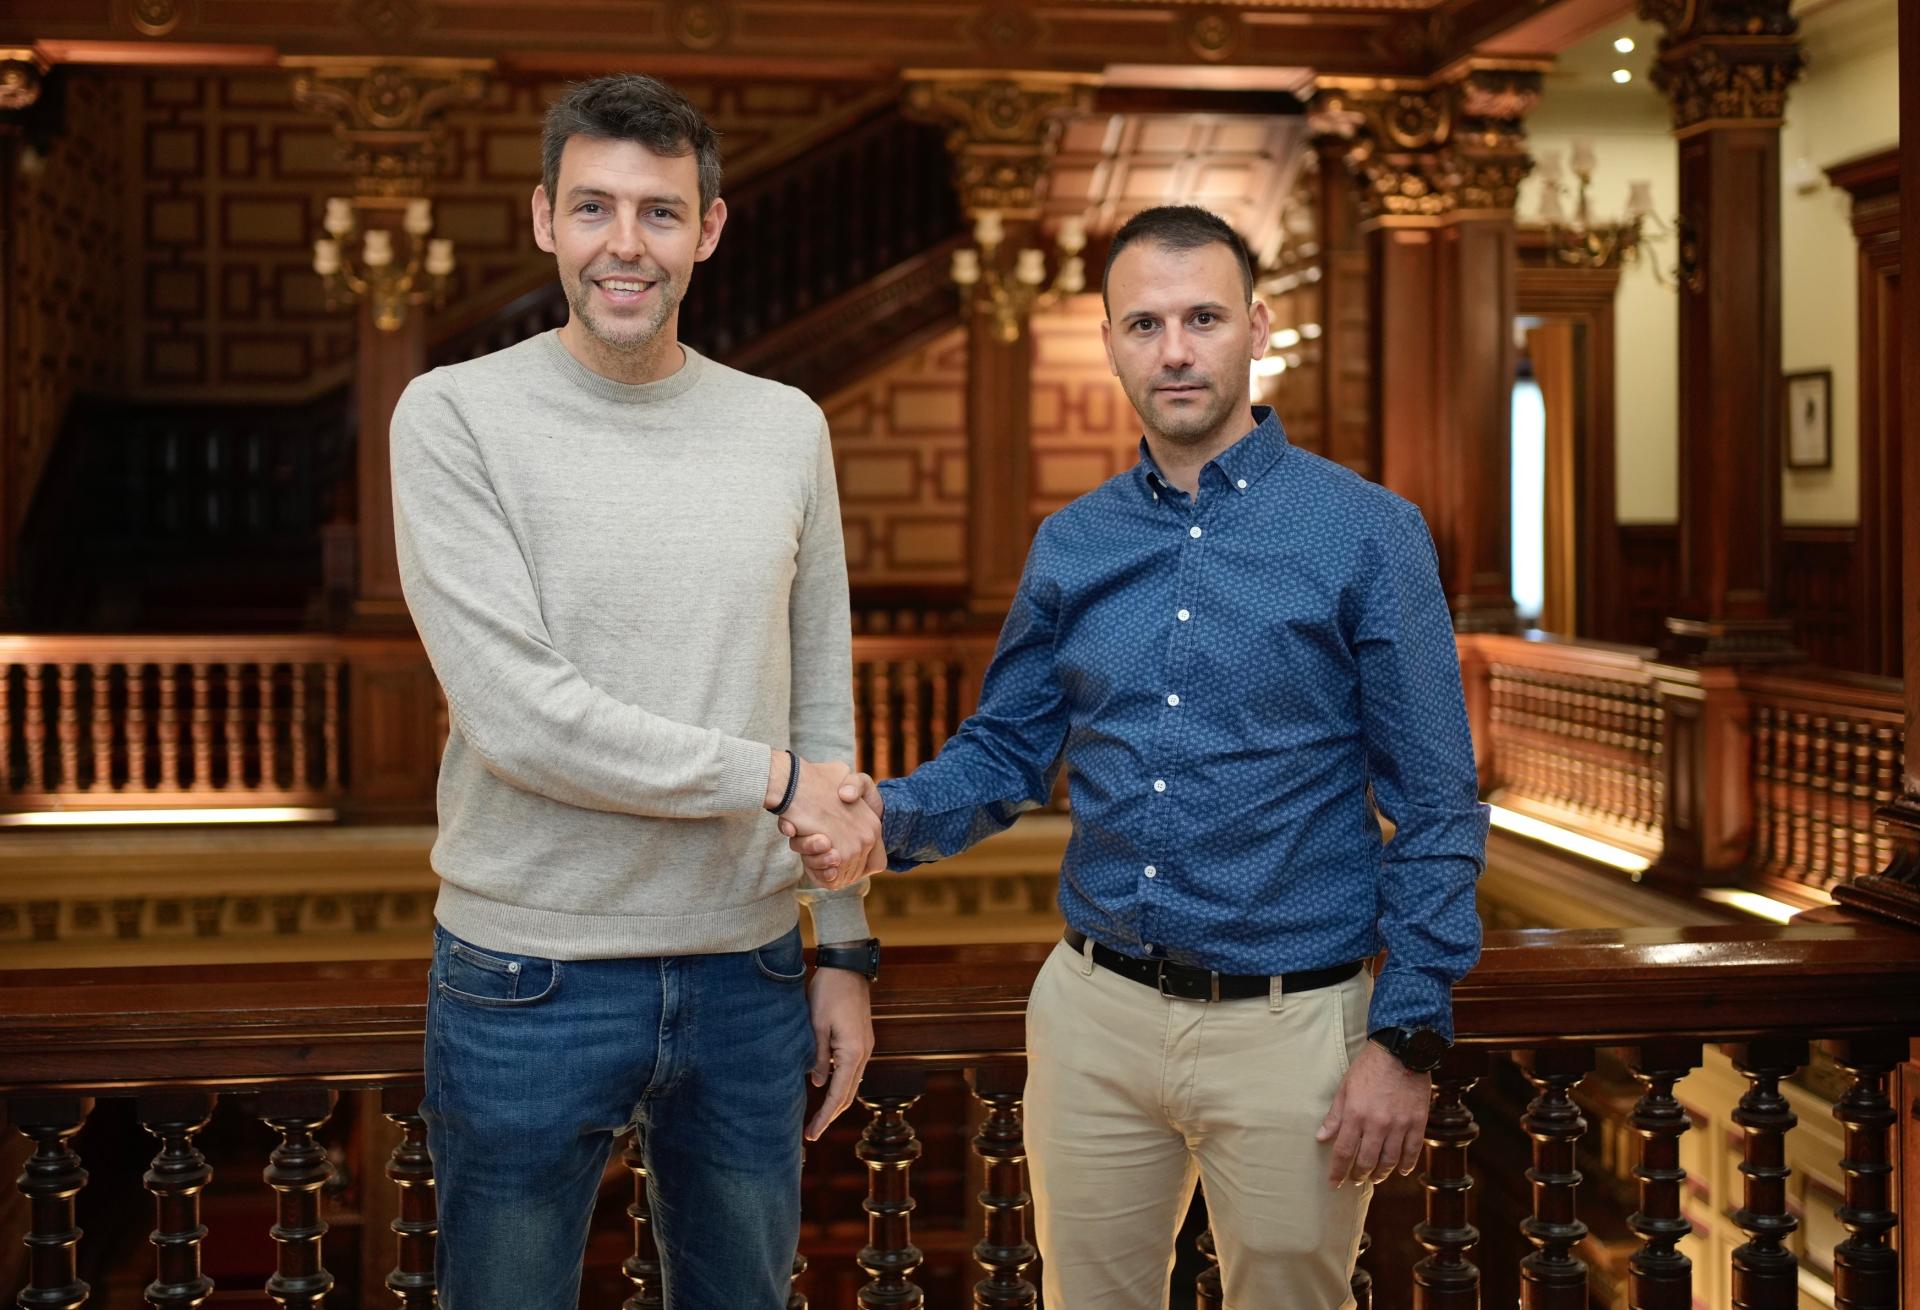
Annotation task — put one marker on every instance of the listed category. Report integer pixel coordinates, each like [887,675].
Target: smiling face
[625,228]
[1179,339]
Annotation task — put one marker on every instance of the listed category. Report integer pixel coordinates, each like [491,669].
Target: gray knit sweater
[629,593]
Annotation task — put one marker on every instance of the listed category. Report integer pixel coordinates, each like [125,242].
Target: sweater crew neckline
[667,388]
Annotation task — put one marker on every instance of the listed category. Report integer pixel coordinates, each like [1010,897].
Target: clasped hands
[833,823]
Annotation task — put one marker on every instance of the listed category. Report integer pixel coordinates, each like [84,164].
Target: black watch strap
[861,957]
[1419,1049]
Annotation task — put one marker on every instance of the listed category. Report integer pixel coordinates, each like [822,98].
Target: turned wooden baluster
[67,729]
[1819,811]
[330,727]
[1801,748]
[236,729]
[169,728]
[642,1268]
[1003,1251]
[417,1227]
[1765,764]
[200,728]
[1360,1284]
[269,763]
[911,685]
[796,1299]
[938,721]
[1765,1273]
[50,1182]
[882,721]
[1446,1279]
[1862,800]
[889,1147]
[1838,783]
[297,747]
[6,727]
[34,728]
[178,1175]
[1551,1276]
[1658,1276]
[296,1171]
[137,728]
[100,724]
[1866,1269]
[1206,1285]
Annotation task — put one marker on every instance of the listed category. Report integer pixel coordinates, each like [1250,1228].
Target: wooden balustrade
[292,1036]
[911,693]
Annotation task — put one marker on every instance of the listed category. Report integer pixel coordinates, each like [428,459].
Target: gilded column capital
[1727,60]
[1432,148]
[1002,129]
[387,113]
[23,72]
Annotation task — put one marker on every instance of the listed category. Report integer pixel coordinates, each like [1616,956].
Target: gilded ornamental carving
[1725,59]
[387,115]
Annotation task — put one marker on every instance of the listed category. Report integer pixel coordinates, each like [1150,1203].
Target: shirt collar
[1240,465]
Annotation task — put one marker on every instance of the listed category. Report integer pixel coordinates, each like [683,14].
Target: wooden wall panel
[1649,555]
[67,288]
[900,454]
[1084,428]
[1818,591]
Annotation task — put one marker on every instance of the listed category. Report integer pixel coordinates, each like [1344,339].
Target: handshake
[833,821]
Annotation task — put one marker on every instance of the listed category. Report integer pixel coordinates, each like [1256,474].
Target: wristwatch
[861,957]
[1419,1049]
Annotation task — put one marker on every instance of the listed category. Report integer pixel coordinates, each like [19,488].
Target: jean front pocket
[476,977]
[781,959]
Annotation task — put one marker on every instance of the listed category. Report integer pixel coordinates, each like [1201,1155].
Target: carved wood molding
[1002,130]
[1434,148]
[23,71]
[1725,60]
[387,114]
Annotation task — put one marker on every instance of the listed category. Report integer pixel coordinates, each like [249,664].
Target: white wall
[1845,105]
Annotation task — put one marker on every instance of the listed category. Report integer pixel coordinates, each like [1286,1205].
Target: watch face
[1423,1049]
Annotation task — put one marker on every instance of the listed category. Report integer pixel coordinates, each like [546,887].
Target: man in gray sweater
[625,562]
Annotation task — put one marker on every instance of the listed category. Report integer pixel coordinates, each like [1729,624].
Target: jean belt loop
[1276,993]
[1086,958]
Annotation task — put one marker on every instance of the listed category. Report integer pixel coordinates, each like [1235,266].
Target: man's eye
[1142,324]
[589,208]
[1203,319]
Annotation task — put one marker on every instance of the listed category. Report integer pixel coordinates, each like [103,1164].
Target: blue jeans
[533,1068]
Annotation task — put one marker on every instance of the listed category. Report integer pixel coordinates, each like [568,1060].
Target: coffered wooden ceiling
[1246,44]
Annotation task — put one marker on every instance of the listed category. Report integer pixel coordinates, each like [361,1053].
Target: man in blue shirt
[1238,649]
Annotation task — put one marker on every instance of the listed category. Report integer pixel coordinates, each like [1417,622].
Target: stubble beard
[1189,427]
[625,339]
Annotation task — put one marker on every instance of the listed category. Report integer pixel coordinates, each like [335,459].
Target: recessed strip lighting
[1575,843]
[127,818]
[1761,907]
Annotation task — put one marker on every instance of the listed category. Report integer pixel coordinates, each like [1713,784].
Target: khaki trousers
[1129,1093]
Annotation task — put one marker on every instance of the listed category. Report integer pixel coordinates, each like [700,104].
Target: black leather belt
[1186,982]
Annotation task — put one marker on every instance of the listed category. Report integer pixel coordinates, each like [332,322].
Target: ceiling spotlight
[1622,76]
[1624,44]
[1285,338]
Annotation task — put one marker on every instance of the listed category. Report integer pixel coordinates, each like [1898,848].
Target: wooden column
[1439,162]
[1002,132]
[387,116]
[1347,435]
[1725,66]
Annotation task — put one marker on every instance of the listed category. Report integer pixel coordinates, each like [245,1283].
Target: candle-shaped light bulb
[1550,211]
[377,250]
[326,256]
[1547,166]
[339,219]
[1583,158]
[1073,235]
[1031,268]
[1639,199]
[987,229]
[439,257]
[1073,276]
[966,267]
[419,219]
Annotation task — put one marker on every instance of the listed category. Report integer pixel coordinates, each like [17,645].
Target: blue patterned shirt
[1225,680]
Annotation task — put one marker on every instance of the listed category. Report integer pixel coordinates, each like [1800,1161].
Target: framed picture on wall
[1809,407]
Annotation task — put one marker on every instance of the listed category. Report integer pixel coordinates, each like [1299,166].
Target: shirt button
[1242,484]
[1194,531]
[1159,784]
[1151,871]
[1183,616]
[1173,700]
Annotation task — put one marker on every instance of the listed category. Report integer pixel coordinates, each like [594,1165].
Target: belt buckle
[1160,981]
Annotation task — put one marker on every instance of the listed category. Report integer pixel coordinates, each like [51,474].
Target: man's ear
[542,219]
[710,224]
[1260,324]
[1106,343]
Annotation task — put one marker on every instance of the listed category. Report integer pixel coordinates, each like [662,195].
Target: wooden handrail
[360,1024]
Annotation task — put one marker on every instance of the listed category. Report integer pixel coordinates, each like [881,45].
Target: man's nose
[1176,348]
[627,240]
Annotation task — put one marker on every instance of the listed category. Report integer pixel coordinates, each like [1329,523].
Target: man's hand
[816,850]
[843,1039]
[1378,1122]
[846,833]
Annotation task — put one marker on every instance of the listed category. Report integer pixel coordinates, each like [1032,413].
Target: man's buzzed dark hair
[631,107]
[1178,227]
